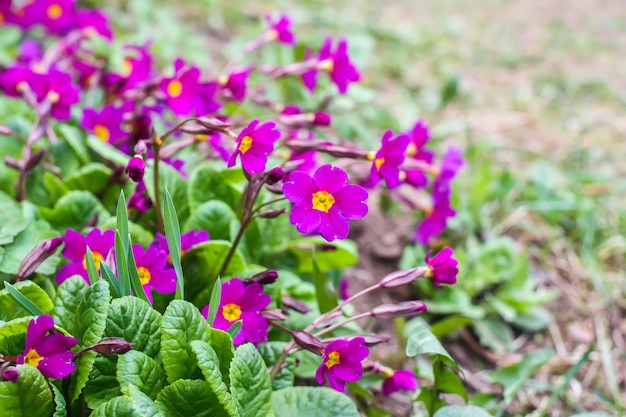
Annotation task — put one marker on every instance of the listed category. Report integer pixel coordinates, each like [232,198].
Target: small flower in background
[401,380]
[57,16]
[281,30]
[140,200]
[9,373]
[324,202]
[181,91]
[49,353]
[436,218]
[450,165]
[60,91]
[342,362]
[153,271]
[94,22]
[235,84]
[136,68]
[30,51]
[343,289]
[442,268]
[242,303]
[337,64]
[187,241]
[254,144]
[386,161]
[106,123]
[100,243]
[136,168]
[14,80]
[37,256]
[419,136]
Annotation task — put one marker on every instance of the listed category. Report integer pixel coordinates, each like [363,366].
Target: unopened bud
[328,318]
[404,309]
[274,314]
[271,213]
[399,278]
[37,256]
[295,304]
[263,278]
[275,175]
[136,168]
[9,373]
[141,148]
[321,119]
[213,123]
[308,341]
[111,346]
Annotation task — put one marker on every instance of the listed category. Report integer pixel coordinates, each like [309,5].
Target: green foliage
[23,299]
[250,382]
[29,397]
[309,401]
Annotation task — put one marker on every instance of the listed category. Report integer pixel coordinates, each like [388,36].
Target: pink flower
[136,168]
[187,241]
[94,22]
[58,88]
[342,362]
[388,158]
[281,30]
[242,303]
[419,136]
[253,146]
[153,271]
[436,218]
[58,16]
[324,202]
[403,380]
[136,68]
[235,84]
[450,165]
[106,123]
[442,268]
[100,243]
[337,64]
[182,91]
[140,200]
[49,353]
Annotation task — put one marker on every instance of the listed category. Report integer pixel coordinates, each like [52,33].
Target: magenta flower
[58,88]
[324,202]
[205,101]
[136,168]
[94,22]
[419,136]
[436,218]
[136,69]
[140,200]
[344,285]
[241,302]
[14,80]
[9,373]
[281,30]
[49,353]
[99,242]
[253,146]
[57,16]
[30,51]
[235,84]
[181,91]
[337,64]
[106,124]
[450,165]
[153,271]
[187,241]
[403,380]
[442,268]
[342,362]
[388,158]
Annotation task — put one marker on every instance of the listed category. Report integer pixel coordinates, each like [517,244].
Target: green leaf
[182,323]
[102,385]
[107,151]
[324,292]
[335,255]
[513,377]
[171,180]
[121,216]
[214,303]
[461,411]
[494,334]
[60,406]
[93,177]
[135,321]
[186,398]
[138,369]
[251,385]
[234,329]
[133,404]
[92,272]
[13,335]
[222,344]
[270,352]
[109,276]
[11,220]
[133,273]
[209,365]
[172,233]
[33,300]
[421,341]
[55,187]
[310,401]
[215,217]
[450,325]
[121,263]
[202,264]
[446,380]
[205,184]
[23,243]
[74,211]
[75,138]
[30,396]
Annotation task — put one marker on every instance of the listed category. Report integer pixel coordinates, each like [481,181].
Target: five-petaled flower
[337,64]
[281,30]
[152,270]
[437,215]
[253,146]
[49,353]
[386,161]
[342,362]
[402,380]
[100,243]
[324,202]
[442,268]
[243,303]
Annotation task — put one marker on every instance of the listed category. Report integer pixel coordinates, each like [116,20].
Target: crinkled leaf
[13,335]
[24,242]
[10,308]
[222,344]
[270,352]
[102,385]
[135,321]
[138,369]
[206,183]
[251,385]
[133,403]
[310,401]
[186,398]
[60,406]
[92,177]
[182,323]
[30,396]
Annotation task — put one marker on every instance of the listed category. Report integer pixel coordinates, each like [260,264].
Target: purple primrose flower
[181,91]
[106,124]
[436,218]
[153,271]
[442,268]
[235,84]
[281,30]
[49,353]
[324,202]
[403,380]
[136,168]
[419,135]
[94,22]
[337,64]
[100,243]
[253,146]
[187,241]
[342,362]
[388,158]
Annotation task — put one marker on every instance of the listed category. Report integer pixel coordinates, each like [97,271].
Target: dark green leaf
[138,369]
[215,217]
[185,398]
[29,397]
[250,382]
[270,352]
[75,210]
[205,184]
[310,401]
[209,365]
[93,177]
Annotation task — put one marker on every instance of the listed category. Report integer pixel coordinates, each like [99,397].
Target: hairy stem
[157,191]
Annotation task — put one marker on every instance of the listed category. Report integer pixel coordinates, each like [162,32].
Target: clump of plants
[214,288]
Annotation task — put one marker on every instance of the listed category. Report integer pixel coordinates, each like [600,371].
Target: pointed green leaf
[121,263]
[251,385]
[222,344]
[172,234]
[133,273]
[422,341]
[122,221]
[309,401]
[109,276]
[138,369]
[92,272]
[173,181]
[22,299]
[186,398]
[214,304]
[30,396]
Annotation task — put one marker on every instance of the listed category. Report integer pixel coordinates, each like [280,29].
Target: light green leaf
[182,323]
[102,385]
[138,369]
[251,385]
[135,321]
[446,380]
[270,352]
[134,403]
[75,138]
[23,243]
[60,406]
[324,292]
[11,221]
[30,396]
[310,401]
[206,183]
[421,341]
[343,254]
[10,308]
[461,411]
[74,210]
[172,233]
[107,151]
[186,398]
[13,335]
[93,177]
[222,344]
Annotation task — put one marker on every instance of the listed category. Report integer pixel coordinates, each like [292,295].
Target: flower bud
[294,304]
[136,168]
[399,278]
[308,342]
[111,346]
[441,268]
[141,148]
[404,309]
[321,119]
[263,278]
[275,175]
[274,314]
[37,256]
[9,373]
[271,213]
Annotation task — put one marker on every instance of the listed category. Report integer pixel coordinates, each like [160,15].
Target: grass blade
[122,265]
[234,329]
[109,276]
[172,233]
[22,300]
[135,281]
[92,271]
[122,221]
[214,303]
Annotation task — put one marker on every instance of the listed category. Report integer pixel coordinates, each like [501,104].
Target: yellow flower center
[246,144]
[102,133]
[21,86]
[127,68]
[378,162]
[174,88]
[97,258]
[231,312]
[333,359]
[411,150]
[323,201]
[326,65]
[144,275]
[222,80]
[429,271]
[32,358]
[54,11]
[53,96]
[1,17]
